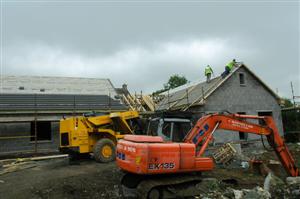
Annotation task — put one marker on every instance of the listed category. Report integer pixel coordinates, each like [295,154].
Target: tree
[175,81]
[286,103]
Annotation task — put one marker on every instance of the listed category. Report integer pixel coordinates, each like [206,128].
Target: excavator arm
[203,131]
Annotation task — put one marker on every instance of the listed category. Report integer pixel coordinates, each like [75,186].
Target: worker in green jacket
[208,72]
[228,68]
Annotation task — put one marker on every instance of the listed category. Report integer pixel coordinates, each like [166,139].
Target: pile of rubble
[274,187]
[230,156]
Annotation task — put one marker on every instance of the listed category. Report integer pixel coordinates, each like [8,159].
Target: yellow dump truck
[96,133]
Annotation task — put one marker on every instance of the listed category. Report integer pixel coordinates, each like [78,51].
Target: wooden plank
[149,102]
[127,102]
[17,167]
[49,157]
[20,160]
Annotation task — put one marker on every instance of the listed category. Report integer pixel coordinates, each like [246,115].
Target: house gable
[251,98]
[238,97]
[198,94]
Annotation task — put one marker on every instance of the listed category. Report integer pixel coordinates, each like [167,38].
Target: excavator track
[162,186]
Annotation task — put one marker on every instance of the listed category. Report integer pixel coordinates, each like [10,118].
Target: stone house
[242,91]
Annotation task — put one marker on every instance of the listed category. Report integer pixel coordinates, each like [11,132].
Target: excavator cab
[170,129]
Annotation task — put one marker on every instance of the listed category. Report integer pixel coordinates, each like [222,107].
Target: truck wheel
[104,150]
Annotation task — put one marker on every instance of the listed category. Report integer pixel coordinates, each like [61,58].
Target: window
[43,129]
[180,129]
[242,78]
[263,113]
[42,90]
[136,125]
[166,130]
[21,88]
[152,128]
[242,135]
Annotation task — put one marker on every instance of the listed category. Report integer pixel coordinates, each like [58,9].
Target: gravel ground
[57,179]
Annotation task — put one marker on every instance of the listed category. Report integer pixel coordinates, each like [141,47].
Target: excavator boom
[203,131]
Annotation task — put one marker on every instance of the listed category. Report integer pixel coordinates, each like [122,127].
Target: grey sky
[143,43]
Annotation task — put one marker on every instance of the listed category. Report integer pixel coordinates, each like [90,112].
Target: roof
[56,103]
[195,93]
[56,85]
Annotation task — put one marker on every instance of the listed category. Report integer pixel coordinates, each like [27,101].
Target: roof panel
[188,95]
[50,102]
[57,85]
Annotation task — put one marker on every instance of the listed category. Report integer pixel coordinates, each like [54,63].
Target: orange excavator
[151,164]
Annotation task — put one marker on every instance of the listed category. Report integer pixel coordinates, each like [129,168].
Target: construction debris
[273,184]
[12,165]
[257,192]
[273,187]
[228,192]
[245,165]
[224,154]
[16,167]
[136,102]
[65,181]
[208,184]
[42,158]
[18,160]
[289,190]
[293,180]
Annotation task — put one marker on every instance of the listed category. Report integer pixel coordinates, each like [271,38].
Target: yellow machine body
[81,134]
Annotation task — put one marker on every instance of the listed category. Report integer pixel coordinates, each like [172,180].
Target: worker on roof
[208,72]
[228,68]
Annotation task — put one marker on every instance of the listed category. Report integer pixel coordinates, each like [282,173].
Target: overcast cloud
[142,44]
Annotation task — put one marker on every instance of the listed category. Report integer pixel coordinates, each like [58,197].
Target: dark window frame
[44,131]
[242,135]
[167,129]
[264,113]
[180,130]
[153,127]
[242,79]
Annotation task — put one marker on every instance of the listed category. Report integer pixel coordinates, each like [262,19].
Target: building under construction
[31,107]
[242,91]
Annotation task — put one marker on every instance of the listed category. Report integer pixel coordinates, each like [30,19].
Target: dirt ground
[57,179]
